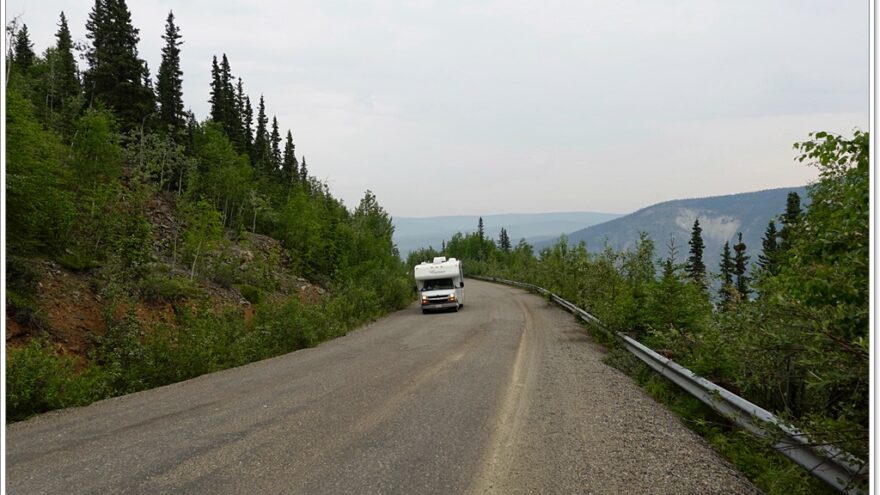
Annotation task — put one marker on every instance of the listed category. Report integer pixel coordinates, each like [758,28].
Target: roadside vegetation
[785,324]
[217,226]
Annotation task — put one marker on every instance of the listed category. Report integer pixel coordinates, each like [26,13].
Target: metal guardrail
[833,466]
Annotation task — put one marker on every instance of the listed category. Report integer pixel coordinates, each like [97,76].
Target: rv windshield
[438,284]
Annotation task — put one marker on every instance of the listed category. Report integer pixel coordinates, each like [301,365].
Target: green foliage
[23,51]
[39,209]
[66,87]
[22,300]
[116,76]
[740,262]
[253,294]
[169,85]
[696,269]
[120,353]
[222,176]
[37,380]
[157,159]
[770,250]
[504,241]
[204,232]
[96,153]
[159,286]
[727,293]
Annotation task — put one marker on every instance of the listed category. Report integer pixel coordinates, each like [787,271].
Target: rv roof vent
[452,259]
[440,259]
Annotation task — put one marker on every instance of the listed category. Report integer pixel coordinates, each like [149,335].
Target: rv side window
[438,284]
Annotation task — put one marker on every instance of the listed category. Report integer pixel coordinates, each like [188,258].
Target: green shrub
[22,275]
[77,261]
[120,353]
[253,294]
[164,287]
[37,381]
[25,310]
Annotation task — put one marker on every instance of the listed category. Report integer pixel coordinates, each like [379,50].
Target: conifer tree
[24,50]
[67,86]
[304,174]
[247,123]
[790,218]
[504,240]
[275,139]
[231,117]
[244,131]
[261,140]
[147,83]
[740,265]
[480,230]
[116,75]
[770,247]
[169,85]
[695,267]
[289,167]
[727,268]
[216,92]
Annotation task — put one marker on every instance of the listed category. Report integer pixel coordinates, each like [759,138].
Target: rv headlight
[424,300]
[452,297]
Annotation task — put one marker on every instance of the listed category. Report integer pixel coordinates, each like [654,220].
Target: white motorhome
[440,284]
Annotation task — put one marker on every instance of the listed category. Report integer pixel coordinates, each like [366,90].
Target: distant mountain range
[414,233]
[721,218]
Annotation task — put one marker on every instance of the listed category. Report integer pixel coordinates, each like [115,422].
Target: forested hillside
[414,233]
[146,246]
[787,328]
[722,218]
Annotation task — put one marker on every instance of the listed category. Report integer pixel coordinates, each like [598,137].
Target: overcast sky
[514,106]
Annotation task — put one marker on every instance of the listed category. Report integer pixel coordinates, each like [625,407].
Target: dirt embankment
[71,307]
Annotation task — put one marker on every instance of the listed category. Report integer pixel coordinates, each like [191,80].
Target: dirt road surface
[506,396]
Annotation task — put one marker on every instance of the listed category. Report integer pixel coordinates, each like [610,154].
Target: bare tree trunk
[174,252]
[192,272]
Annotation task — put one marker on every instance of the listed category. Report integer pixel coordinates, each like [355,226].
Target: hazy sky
[445,107]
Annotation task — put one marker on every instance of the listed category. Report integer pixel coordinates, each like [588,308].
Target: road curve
[506,396]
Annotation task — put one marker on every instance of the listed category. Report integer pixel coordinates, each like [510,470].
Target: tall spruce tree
[740,267]
[304,174]
[244,131]
[231,117]
[727,269]
[770,247]
[790,218]
[23,54]
[504,240]
[247,123]
[216,99]
[695,267]
[261,139]
[480,230]
[275,140]
[169,84]
[67,86]
[116,75]
[289,166]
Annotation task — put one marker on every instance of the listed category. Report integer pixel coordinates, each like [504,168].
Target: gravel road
[506,396]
